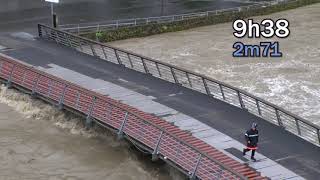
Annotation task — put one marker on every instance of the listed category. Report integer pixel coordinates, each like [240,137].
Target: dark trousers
[252,151]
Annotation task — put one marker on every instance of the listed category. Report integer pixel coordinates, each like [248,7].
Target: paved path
[26,14]
[278,145]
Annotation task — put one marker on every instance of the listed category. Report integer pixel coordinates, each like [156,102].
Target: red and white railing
[162,139]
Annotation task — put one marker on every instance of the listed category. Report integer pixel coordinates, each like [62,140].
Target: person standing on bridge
[252,138]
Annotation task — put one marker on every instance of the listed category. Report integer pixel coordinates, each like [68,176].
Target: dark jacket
[252,136]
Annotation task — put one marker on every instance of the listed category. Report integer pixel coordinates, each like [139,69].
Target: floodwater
[292,82]
[37,141]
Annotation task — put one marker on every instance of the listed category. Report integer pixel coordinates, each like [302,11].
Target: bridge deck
[277,144]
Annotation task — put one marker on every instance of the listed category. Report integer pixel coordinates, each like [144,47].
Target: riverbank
[152,29]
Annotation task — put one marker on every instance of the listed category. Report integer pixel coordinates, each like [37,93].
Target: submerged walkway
[178,104]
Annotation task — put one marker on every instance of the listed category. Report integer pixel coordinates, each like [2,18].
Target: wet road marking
[3,48]
[285,158]
[23,35]
[123,80]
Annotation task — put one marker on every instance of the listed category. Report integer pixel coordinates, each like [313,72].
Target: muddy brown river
[38,142]
[292,82]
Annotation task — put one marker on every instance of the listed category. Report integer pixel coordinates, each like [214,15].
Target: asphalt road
[25,14]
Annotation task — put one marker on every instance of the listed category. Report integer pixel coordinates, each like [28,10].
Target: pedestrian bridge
[193,122]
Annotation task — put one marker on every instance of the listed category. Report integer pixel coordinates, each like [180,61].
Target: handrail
[132,22]
[115,24]
[281,117]
[105,99]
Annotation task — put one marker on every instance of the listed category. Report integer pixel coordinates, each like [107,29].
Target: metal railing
[115,115]
[133,22]
[115,24]
[213,88]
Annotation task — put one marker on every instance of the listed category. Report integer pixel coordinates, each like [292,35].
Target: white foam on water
[132,168]
[291,82]
[38,110]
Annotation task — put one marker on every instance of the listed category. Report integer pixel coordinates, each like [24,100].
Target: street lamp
[54,16]
[162,7]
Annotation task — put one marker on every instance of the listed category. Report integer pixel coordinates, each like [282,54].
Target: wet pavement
[25,14]
[277,144]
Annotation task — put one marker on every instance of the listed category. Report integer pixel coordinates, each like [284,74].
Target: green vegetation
[99,35]
[151,29]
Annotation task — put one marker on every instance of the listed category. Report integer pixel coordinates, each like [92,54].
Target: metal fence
[115,24]
[211,87]
[108,112]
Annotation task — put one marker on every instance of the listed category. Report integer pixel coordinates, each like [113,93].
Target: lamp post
[54,16]
[162,7]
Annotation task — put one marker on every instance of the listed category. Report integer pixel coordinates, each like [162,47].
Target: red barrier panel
[156,135]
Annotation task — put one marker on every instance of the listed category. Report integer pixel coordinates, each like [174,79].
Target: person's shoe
[253,159]
[244,152]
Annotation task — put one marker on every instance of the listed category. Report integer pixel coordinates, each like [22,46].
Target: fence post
[145,66]
[60,105]
[298,126]
[48,35]
[35,85]
[155,151]
[88,119]
[69,42]
[318,132]
[258,107]
[120,132]
[56,34]
[206,86]
[188,77]
[157,65]
[80,44]
[104,53]
[130,61]
[117,56]
[240,100]
[10,77]
[222,93]
[93,51]
[174,75]
[278,118]
[193,175]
